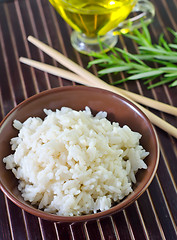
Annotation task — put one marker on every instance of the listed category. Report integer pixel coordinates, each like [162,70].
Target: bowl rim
[118,207]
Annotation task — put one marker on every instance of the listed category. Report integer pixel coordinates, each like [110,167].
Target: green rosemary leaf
[169,69]
[172,32]
[133,71]
[120,81]
[152,61]
[126,57]
[165,63]
[145,75]
[133,37]
[172,45]
[149,80]
[96,61]
[142,40]
[163,81]
[167,58]
[131,56]
[114,69]
[145,57]
[97,55]
[171,74]
[153,50]
[146,33]
[163,43]
[174,84]
[114,54]
[137,66]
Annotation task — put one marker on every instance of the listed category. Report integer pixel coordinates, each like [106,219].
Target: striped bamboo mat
[154,215]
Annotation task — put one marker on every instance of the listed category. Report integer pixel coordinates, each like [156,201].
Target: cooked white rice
[72,163]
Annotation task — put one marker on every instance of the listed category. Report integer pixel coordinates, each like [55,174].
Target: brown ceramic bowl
[118,109]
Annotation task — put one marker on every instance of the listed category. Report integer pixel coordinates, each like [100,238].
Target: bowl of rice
[76,154]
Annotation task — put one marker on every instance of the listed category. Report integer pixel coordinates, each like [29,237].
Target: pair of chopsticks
[82,76]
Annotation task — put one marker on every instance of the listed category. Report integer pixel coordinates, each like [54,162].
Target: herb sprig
[137,66]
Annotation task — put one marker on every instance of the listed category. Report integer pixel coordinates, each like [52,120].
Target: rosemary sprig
[139,66]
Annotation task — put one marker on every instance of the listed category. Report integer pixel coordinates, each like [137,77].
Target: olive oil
[93,17]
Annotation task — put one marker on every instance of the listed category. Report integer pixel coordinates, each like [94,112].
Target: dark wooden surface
[154,215]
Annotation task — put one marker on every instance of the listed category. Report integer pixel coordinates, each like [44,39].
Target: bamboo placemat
[154,215]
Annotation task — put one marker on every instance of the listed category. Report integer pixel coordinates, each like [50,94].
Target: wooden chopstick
[76,78]
[99,83]
[54,71]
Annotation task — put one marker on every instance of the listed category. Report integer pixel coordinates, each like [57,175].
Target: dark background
[154,215]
